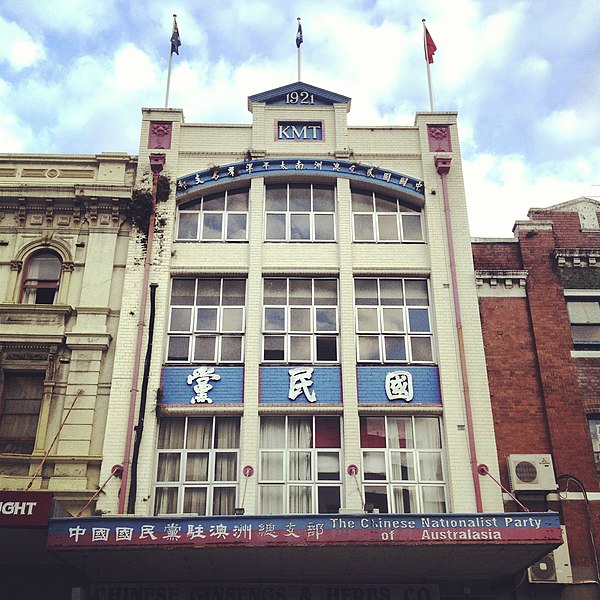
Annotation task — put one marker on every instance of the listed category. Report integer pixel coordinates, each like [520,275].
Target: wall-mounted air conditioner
[555,567]
[531,472]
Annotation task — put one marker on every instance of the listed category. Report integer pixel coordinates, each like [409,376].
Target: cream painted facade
[427,152]
[64,238]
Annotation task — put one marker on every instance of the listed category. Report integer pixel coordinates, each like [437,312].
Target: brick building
[539,296]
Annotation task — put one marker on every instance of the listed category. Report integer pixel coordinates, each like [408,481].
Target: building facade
[539,304]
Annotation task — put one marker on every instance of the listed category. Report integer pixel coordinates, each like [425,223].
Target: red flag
[430,47]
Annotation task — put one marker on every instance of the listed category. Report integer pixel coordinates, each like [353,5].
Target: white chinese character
[314,530]
[300,382]
[195,531]
[403,181]
[418,185]
[242,531]
[249,167]
[387,177]
[352,168]
[124,533]
[172,531]
[197,178]
[76,532]
[282,166]
[319,165]
[231,171]
[147,531]
[266,165]
[267,529]
[336,166]
[299,165]
[215,174]
[290,530]
[219,531]
[201,376]
[370,172]
[182,185]
[100,534]
[399,385]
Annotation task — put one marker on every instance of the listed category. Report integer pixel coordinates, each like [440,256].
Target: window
[197,466]
[379,218]
[300,464]
[41,277]
[206,323]
[300,212]
[594,424]
[19,411]
[393,320]
[584,315]
[402,464]
[300,320]
[214,218]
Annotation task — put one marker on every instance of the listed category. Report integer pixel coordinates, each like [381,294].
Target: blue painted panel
[372,385]
[227,389]
[275,386]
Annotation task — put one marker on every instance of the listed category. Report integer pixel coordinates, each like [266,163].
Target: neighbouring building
[539,296]
[299,400]
[63,249]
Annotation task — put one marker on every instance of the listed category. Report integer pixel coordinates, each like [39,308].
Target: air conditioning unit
[555,567]
[531,472]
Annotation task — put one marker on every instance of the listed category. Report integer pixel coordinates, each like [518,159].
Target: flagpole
[427,62]
[173,42]
[299,51]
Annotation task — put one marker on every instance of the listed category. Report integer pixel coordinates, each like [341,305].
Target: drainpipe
[442,164]
[157,162]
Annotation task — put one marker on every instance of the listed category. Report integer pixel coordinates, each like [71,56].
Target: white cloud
[18,48]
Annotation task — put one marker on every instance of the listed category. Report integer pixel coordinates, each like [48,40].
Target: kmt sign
[300,131]
[24,509]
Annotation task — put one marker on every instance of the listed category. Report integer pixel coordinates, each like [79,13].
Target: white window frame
[202,214]
[289,213]
[419,484]
[403,212]
[578,320]
[193,334]
[312,332]
[211,483]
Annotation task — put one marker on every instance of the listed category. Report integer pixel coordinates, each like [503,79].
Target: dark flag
[299,38]
[175,40]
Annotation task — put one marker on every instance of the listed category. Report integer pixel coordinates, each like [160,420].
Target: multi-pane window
[584,315]
[206,322]
[197,465]
[402,464]
[300,320]
[41,277]
[594,424]
[217,217]
[393,321]
[19,411]
[300,212]
[379,218]
[300,464]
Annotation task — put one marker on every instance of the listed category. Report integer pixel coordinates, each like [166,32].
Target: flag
[175,40]
[299,38]
[430,47]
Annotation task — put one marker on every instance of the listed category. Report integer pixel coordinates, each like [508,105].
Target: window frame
[289,213]
[580,296]
[317,338]
[403,210]
[211,483]
[194,334]
[418,484]
[29,290]
[202,214]
[286,483]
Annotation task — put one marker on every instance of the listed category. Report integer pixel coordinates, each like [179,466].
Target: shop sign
[399,386]
[19,509]
[305,530]
[191,591]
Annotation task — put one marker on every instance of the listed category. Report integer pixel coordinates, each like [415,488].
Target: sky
[523,75]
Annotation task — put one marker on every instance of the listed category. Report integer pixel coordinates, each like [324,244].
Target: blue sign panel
[300,131]
[204,385]
[300,385]
[399,385]
[323,167]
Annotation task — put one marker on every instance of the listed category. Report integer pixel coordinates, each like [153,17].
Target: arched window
[41,277]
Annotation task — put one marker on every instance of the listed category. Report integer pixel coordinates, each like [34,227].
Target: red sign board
[24,509]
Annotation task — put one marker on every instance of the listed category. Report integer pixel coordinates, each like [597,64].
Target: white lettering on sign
[291,131]
[399,386]
[201,376]
[299,98]
[17,508]
[300,382]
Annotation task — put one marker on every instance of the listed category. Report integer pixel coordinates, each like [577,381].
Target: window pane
[325,292]
[385,204]
[271,499]
[368,348]
[231,348]
[372,432]
[223,501]
[188,226]
[204,348]
[327,432]
[362,201]
[273,347]
[300,291]
[226,466]
[364,231]
[412,230]
[209,292]
[374,465]
[300,319]
[323,198]
[324,227]
[395,348]
[326,319]
[178,348]
[300,197]
[212,226]
[388,227]
[365,291]
[427,433]
[391,292]
[168,466]
[272,432]
[274,319]
[194,501]
[275,291]
[214,202]
[171,432]
[327,348]
[199,433]
[367,319]
[328,499]
[181,319]
[376,496]
[196,468]
[403,466]
[300,498]
[165,501]
[299,466]
[227,432]
[328,466]
[206,319]
[271,466]
[433,499]
[583,311]
[232,319]
[275,227]
[416,292]
[276,197]
[405,499]
[400,434]
[237,200]
[236,227]
[300,348]
[300,432]
[183,291]
[393,320]
[420,349]
[418,320]
[234,292]
[300,227]
[430,466]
